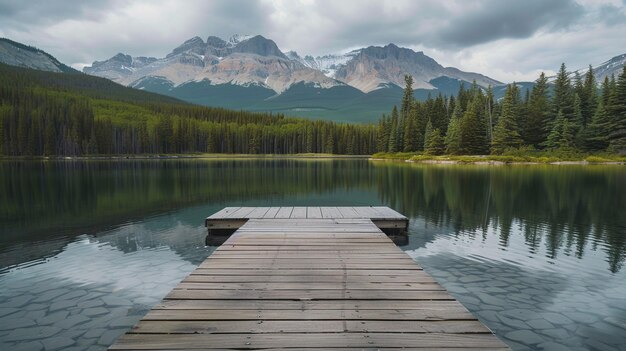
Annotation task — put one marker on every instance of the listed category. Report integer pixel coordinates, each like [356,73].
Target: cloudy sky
[505,39]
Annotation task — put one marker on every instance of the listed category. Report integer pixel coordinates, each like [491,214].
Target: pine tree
[453,137]
[407,97]
[463,97]
[2,137]
[434,143]
[538,113]
[596,133]
[617,115]
[606,91]
[421,119]
[589,97]
[563,96]
[489,106]
[393,133]
[506,133]
[568,136]
[473,129]
[562,135]
[382,139]
[410,131]
[309,140]
[438,114]
[427,134]
[576,122]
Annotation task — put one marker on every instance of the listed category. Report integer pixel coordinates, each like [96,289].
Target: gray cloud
[612,15]
[44,12]
[495,37]
[225,18]
[509,19]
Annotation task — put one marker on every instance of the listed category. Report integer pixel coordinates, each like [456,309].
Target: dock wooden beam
[303,279]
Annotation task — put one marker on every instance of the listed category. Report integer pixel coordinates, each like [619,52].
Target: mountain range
[252,73]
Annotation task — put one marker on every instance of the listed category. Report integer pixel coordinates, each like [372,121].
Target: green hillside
[46,114]
[339,103]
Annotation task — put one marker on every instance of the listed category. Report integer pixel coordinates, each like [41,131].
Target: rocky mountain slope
[612,67]
[16,54]
[375,67]
[241,60]
[245,61]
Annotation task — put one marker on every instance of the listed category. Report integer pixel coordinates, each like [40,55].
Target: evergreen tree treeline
[43,113]
[570,115]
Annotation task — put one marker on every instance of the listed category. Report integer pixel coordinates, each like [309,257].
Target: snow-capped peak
[328,64]
[238,38]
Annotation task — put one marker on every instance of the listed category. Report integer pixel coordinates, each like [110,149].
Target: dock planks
[305,280]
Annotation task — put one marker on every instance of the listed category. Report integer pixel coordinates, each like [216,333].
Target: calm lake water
[536,252]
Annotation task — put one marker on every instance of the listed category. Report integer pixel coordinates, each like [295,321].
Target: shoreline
[436,160]
[487,162]
[182,156]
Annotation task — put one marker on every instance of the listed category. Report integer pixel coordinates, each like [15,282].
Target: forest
[65,114]
[72,114]
[566,115]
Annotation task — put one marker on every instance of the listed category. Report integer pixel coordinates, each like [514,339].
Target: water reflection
[87,247]
[62,199]
[95,287]
[570,209]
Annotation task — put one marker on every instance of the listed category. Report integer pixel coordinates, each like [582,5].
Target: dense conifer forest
[50,114]
[65,114]
[571,114]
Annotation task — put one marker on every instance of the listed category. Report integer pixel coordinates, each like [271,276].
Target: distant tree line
[569,115]
[43,113]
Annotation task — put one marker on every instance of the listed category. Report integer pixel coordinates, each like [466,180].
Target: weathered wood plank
[424,314]
[201,278]
[320,340]
[276,286]
[242,212]
[306,305]
[271,213]
[367,212]
[307,271]
[331,212]
[258,212]
[305,265]
[284,212]
[304,241]
[328,248]
[221,213]
[387,212]
[298,213]
[313,212]
[295,254]
[302,326]
[306,295]
[349,212]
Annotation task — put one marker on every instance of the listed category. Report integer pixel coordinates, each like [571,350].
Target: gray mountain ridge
[17,54]
[255,60]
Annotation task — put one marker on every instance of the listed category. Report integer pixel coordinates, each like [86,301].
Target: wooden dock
[303,282]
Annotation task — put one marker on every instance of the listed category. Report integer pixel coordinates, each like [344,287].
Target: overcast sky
[505,39]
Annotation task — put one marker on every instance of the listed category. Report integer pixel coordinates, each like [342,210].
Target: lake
[535,252]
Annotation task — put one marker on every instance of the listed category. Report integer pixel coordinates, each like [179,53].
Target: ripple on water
[90,293]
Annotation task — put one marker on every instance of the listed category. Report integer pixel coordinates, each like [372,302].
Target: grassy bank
[513,158]
[186,156]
